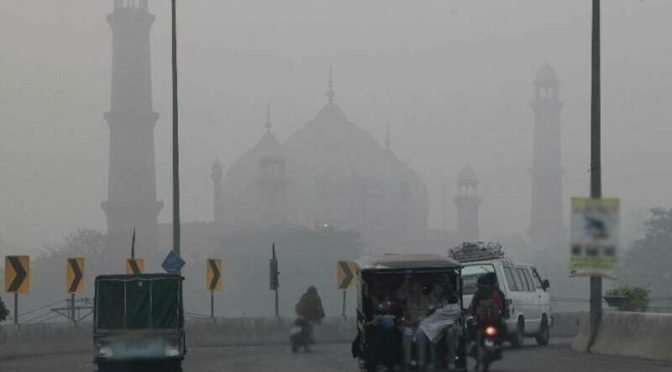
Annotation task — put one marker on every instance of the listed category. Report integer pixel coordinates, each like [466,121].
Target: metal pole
[212,305]
[16,308]
[345,294]
[176,149]
[277,305]
[595,163]
[72,308]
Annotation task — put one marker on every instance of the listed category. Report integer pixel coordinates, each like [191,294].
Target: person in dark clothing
[383,337]
[488,304]
[309,306]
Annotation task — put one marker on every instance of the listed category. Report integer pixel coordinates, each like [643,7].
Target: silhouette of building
[467,203]
[328,173]
[131,202]
[547,227]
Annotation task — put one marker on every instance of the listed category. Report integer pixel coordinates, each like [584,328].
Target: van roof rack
[476,251]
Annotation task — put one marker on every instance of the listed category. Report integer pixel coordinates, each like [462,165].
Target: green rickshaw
[409,313]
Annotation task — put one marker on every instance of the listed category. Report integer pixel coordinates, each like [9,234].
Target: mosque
[329,173]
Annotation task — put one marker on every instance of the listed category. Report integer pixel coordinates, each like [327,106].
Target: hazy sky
[453,79]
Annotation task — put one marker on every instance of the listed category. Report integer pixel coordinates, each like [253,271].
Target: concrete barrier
[40,339]
[641,335]
[565,324]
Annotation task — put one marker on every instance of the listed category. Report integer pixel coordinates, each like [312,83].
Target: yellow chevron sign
[135,266]
[345,274]
[17,274]
[214,274]
[74,278]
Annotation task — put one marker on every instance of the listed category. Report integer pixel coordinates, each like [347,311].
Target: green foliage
[636,298]
[4,312]
[649,263]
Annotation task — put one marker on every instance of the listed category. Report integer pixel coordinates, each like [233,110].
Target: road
[335,358]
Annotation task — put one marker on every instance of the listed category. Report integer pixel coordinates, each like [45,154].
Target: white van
[528,300]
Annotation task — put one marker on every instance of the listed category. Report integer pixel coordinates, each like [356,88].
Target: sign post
[17,279]
[74,281]
[213,280]
[345,278]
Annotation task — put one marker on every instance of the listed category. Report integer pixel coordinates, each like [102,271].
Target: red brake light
[490,331]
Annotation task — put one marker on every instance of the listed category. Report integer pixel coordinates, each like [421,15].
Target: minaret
[216,176]
[131,200]
[330,91]
[547,228]
[467,203]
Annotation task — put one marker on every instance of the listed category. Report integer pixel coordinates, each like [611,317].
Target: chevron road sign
[75,275]
[345,274]
[17,274]
[135,266]
[214,274]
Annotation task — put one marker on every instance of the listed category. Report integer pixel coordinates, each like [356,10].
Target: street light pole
[176,148]
[595,162]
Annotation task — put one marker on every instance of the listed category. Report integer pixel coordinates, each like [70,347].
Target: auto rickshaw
[409,313]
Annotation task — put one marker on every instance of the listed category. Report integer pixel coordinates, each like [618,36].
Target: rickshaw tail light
[490,331]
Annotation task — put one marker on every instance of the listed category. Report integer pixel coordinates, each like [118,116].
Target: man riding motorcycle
[308,310]
[487,308]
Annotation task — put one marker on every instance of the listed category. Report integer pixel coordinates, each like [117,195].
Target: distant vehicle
[139,323]
[528,300]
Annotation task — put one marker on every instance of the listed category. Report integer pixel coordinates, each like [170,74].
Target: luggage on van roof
[477,251]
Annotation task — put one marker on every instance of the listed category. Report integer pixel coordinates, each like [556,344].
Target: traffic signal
[273,271]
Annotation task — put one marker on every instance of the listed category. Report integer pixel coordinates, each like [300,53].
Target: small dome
[546,75]
[467,175]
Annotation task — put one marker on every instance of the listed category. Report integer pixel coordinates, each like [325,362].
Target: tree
[629,298]
[648,264]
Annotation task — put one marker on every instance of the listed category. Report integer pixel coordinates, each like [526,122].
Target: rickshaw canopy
[406,262]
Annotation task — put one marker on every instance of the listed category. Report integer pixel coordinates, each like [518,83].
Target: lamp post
[176,148]
[595,162]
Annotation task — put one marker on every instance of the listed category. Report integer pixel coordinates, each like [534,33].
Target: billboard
[594,237]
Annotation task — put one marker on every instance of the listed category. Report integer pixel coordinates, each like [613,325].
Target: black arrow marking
[135,269]
[74,265]
[215,274]
[349,275]
[21,274]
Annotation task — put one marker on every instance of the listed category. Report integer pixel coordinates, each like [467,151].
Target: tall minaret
[467,203]
[216,176]
[131,200]
[547,228]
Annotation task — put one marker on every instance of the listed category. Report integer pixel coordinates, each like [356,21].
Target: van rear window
[470,275]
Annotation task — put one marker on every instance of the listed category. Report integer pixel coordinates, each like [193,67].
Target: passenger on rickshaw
[419,298]
[383,336]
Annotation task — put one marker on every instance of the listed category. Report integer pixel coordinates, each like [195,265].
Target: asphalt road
[333,358]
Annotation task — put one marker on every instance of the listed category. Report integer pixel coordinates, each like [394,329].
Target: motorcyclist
[488,304]
[310,309]
[309,306]
[487,308]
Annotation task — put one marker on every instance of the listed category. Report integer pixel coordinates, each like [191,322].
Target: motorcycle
[487,347]
[301,335]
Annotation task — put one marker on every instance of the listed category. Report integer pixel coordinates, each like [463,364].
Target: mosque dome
[332,173]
